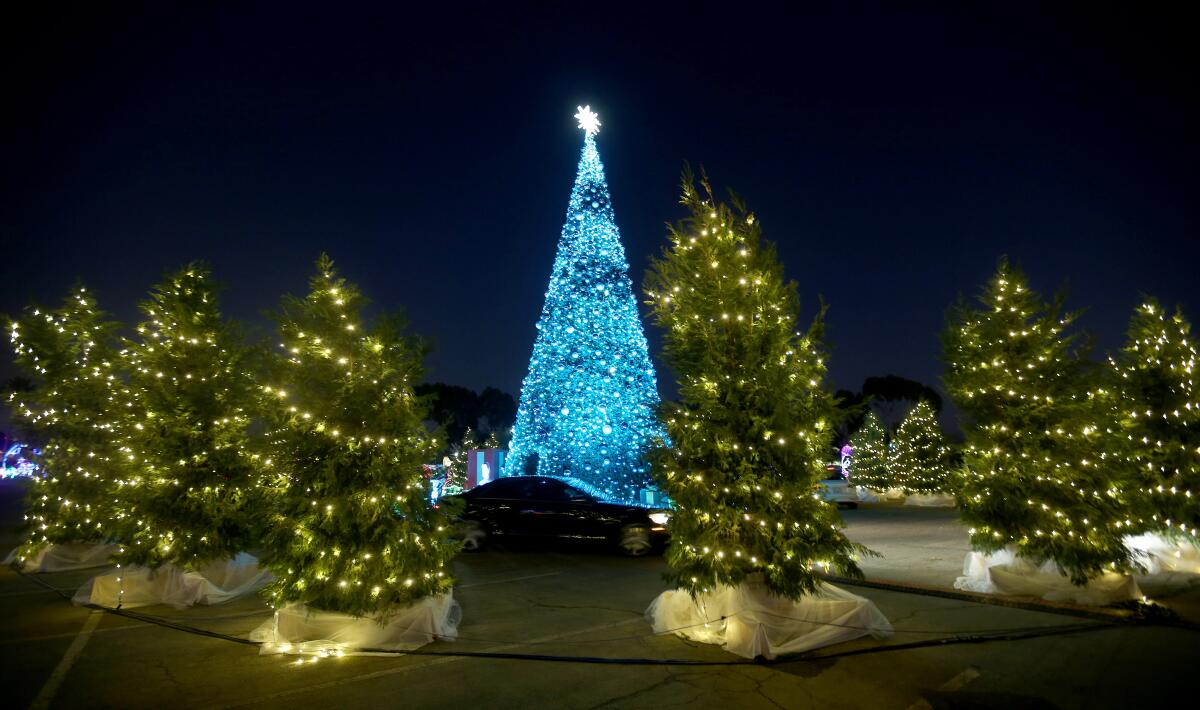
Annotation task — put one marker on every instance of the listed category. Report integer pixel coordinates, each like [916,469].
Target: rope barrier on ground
[953,638]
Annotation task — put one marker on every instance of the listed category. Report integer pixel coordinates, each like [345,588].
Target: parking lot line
[505,581]
[416,666]
[49,690]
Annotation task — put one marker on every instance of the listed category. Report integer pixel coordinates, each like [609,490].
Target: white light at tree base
[587,405]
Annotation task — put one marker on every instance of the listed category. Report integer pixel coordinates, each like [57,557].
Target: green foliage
[1033,478]
[1157,410]
[870,465]
[920,458]
[68,357]
[456,477]
[750,432]
[351,528]
[184,433]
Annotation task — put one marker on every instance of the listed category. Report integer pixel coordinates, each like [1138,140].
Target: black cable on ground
[600,660]
[1141,613]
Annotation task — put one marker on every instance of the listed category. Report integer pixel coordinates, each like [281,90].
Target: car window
[504,488]
[545,489]
[575,494]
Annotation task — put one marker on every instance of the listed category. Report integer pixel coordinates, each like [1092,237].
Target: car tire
[634,540]
[473,535]
[850,505]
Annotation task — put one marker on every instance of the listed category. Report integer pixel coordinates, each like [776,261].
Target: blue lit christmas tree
[588,402]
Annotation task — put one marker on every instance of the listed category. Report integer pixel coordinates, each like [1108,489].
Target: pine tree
[871,462]
[191,394]
[587,404]
[1033,478]
[351,527]
[69,355]
[921,459]
[456,477]
[492,441]
[1158,415]
[751,429]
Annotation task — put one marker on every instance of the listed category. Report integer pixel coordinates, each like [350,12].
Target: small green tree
[69,356]
[871,461]
[921,459]
[750,432]
[1033,479]
[1158,420]
[492,441]
[351,526]
[191,392]
[456,477]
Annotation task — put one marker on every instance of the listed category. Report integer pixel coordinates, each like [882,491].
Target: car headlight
[660,518]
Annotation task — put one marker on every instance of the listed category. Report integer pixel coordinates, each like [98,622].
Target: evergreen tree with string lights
[921,460]
[70,355]
[492,441]
[456,476]
[1034,479]
[351,528]
[587,405]
[1157,443]
[870,463]
[185,432]
[751,428]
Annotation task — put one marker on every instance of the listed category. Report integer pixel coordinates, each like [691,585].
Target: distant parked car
[836,488]
[556,508]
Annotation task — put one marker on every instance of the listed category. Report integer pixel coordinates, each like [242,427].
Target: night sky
[892,153]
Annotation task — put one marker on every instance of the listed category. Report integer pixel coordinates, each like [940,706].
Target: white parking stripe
[56,678]
[505,581]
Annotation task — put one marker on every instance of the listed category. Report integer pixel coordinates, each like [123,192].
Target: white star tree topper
[588,120]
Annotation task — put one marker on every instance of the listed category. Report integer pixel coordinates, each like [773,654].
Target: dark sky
[893,153]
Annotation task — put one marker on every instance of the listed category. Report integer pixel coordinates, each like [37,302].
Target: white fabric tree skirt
[297,629]
[1162,556]
[750,621]
[1004,573]
[930,500]
[61,558]
[140,586]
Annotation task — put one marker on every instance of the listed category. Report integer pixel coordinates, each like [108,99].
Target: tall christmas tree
[921,459]
[751,430]
[69,355]
[1034,480]
[191,382]
[351,529]
[871,461]
[587,404]
[1158,412]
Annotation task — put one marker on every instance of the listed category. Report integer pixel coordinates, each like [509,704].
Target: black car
[546,507]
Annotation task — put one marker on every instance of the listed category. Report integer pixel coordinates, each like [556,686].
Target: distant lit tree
[870,464]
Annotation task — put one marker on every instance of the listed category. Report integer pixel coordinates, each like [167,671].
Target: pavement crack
[161,662]
[545,605]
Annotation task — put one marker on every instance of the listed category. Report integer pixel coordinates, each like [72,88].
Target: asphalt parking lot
[563,610]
